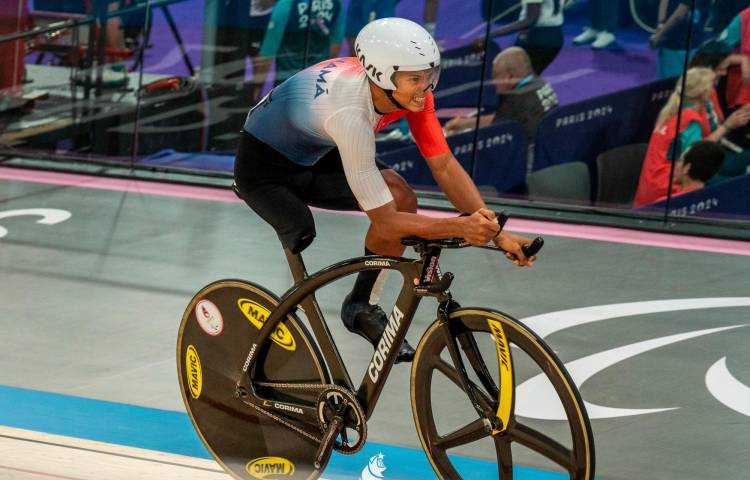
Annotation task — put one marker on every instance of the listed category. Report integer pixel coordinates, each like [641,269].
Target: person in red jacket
[696,166]
[695,125]
[737,36]
[14,17]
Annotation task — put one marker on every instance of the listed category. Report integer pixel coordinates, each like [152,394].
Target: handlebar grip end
[533,248]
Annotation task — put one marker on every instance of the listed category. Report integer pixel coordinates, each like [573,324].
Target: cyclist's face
[412,88]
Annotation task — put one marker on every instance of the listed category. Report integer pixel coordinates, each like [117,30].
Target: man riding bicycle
[311,141]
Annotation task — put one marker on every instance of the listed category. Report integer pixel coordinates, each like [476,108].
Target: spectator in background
[522,96]
[670,38]
[723,11]
[737,36]
[14,17]
[540,33]
[695,167]
[603,17]
[695,125]
[362,12]
[716,56]
[241,26]
[298,37]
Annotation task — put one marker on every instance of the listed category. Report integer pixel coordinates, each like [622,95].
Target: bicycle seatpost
[296,265]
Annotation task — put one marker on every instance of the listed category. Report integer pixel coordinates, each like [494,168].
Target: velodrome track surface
[656,336]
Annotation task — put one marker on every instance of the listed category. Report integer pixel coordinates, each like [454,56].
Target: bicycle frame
[414,272]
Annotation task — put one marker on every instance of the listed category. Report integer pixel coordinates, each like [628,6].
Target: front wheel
[494,350]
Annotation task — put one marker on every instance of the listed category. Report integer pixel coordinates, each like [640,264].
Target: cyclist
[311,141]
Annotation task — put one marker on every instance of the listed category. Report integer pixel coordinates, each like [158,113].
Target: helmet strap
[389,94]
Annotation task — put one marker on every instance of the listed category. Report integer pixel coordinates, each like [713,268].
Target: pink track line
[41,474]
[534,227]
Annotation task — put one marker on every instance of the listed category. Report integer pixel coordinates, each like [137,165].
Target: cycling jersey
[329,105]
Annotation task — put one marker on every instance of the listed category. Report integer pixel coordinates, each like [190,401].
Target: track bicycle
[271,398]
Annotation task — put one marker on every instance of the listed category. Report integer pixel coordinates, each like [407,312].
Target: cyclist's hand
[480,227]
[512,245]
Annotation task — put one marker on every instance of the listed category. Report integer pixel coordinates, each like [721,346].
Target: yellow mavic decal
[507,386]
[258,314]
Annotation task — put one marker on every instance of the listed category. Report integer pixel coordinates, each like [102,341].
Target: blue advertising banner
[583,130]
[500,162]
[728,199]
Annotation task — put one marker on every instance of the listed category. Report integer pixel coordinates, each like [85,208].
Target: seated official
[523,96]
[699,164]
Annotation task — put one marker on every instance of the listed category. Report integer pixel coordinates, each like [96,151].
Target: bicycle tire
[211,350]
[465,323]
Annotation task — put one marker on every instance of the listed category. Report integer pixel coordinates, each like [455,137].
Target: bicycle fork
[492,424]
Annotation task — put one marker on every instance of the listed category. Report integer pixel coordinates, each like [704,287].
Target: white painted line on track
[27,455]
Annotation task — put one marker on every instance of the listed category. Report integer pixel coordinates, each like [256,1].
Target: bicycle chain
[319,387]
[285,423]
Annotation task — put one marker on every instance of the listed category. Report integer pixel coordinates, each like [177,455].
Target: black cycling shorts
[280,190]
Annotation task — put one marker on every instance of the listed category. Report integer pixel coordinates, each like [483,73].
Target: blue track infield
[172,432]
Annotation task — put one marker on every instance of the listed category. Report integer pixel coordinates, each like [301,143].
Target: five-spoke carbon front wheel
[498,353]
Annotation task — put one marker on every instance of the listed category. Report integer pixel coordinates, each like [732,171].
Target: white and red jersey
[329,105]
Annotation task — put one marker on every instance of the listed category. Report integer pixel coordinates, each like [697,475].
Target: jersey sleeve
[353,135]
[427,131]
[276,28]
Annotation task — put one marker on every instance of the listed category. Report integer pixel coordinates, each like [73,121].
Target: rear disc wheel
[217,331]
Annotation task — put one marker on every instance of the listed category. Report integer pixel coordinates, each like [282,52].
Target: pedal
[326,446]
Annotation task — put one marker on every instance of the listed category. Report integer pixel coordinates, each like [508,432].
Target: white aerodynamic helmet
[388,45]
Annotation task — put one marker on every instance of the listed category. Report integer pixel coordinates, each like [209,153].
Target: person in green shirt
[302,33]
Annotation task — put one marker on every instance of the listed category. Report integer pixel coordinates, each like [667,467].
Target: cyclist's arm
[355,140]
[455,182]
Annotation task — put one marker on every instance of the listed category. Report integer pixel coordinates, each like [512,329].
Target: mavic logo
[536,397]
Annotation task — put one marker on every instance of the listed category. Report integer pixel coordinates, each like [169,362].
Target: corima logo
[265,467]
[283,406]
[258,314]
[193,372]
[384,345]
[377,263]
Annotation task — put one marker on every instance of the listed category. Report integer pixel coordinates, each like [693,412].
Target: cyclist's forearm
[389,223]
[459,187]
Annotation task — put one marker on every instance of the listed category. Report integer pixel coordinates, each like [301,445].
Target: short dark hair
[705,159]
[710,54]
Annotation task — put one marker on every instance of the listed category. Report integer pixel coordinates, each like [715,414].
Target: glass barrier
[710,174]
[553,103]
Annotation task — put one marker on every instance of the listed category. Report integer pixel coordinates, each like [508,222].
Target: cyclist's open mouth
[418,101]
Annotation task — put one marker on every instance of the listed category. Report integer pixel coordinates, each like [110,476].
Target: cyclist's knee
[403,195]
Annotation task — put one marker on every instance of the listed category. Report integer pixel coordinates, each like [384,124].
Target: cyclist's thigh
[329,188]
[270,185]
